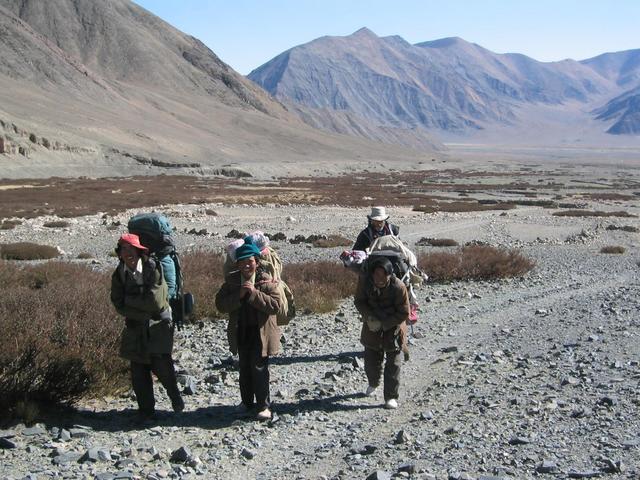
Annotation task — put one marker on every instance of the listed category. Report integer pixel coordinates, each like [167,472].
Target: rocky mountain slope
[443,86]
[104,88]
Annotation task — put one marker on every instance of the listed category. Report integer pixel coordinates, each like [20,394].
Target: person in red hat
[139,293]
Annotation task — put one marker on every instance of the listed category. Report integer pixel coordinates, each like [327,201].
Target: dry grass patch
[474,262]
[333,241]
[616,249]
[9,224]
[609,196]
[58,196]
[27,251]
[319,287]
[60,337]
[463,206]
[56,224]
[536,203]
[437,242]
[203,276]
[624,228]
[593,213]
[423,189]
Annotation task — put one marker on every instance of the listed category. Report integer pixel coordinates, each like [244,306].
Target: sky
[248,33]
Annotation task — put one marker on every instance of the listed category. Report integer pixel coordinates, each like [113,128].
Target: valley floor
[537,377]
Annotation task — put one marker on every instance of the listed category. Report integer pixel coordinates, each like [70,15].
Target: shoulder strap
[179,278]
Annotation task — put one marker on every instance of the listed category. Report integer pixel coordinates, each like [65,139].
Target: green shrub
[27,251]
[60,334]
[474,262]
[612,249]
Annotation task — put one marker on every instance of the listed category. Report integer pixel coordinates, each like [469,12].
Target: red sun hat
[133,240]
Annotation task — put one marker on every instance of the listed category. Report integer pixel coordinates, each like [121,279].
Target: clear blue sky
[247,33]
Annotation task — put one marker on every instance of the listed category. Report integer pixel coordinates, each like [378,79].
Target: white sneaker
[391,404]
[371,391]
[264,414]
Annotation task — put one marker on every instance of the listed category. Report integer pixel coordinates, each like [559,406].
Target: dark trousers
[162,366]
[254,370]
[373,368]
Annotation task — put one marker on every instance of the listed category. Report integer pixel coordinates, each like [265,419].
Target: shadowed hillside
[625,110]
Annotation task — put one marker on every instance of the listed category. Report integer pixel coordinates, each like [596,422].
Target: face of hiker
[380,277]
[377,224]
[247,267]
[129,255]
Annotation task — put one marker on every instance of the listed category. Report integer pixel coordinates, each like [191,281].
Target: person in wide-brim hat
[378,213]
[378,226]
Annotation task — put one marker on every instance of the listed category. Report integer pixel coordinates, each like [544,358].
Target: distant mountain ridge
[442,86]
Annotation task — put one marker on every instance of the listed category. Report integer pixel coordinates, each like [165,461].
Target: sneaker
[178,405]
[264,414]
[371,391]
[146,418]
[391,404]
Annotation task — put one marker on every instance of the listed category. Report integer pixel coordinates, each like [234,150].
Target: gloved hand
[374,324]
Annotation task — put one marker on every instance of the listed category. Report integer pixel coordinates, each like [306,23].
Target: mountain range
[102,88]
[367,85]
[107,88]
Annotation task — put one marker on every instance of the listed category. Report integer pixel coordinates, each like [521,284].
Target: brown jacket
[260,307]
[390,305]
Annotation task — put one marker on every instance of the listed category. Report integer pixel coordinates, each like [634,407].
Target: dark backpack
[156,234]
[399,264]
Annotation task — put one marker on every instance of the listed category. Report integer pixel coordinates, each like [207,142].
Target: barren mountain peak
[364,31]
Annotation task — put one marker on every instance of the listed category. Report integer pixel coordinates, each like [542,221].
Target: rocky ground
[536,377]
